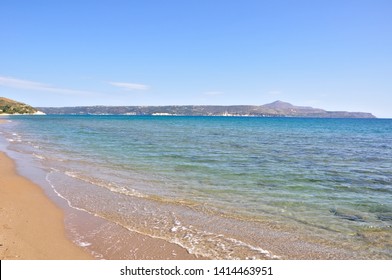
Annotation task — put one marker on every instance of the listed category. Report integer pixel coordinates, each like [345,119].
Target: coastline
[36,231]
[31,225]
[34,227]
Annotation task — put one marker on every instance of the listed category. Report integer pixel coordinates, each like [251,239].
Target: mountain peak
[278,104]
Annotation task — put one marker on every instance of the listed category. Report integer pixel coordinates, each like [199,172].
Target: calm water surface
[221,186]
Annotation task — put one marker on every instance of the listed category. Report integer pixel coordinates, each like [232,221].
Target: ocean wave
[108,185]
[39,156]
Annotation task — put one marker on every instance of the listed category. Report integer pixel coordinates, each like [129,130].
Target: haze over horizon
[333,55]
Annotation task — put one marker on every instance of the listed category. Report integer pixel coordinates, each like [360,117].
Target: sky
[334,55]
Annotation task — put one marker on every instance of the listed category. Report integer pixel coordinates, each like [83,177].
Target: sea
[218,187]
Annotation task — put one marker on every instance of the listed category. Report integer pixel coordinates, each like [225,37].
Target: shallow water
[221,186]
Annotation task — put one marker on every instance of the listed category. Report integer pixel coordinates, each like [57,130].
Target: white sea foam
[214,245]
[258,250]
[39,156]
[61,196]
[83,244]
[110,186]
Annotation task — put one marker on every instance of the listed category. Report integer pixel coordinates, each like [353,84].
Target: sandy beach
[31,226]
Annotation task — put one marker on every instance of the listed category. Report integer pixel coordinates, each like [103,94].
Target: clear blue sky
[335,55]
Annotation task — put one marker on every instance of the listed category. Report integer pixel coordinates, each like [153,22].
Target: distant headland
[12,107]
[274,109]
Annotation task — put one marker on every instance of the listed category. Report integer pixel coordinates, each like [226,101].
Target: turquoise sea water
[223,187]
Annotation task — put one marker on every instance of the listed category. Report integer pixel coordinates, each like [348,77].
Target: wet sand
[31,226]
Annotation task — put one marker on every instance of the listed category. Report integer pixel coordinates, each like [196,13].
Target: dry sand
[31,226]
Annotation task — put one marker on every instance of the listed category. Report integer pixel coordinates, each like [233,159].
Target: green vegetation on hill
[8,106]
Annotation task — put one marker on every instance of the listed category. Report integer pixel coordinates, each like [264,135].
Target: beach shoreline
[31,225]
[38,226]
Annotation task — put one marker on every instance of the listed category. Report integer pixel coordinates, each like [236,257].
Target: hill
[11,107]
[275,109]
